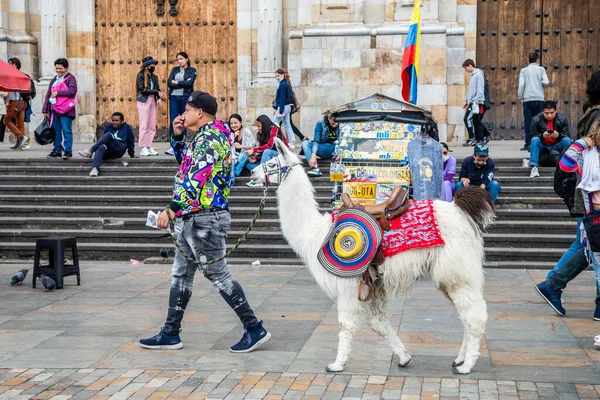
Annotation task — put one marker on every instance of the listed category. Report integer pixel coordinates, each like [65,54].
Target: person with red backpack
[59,106]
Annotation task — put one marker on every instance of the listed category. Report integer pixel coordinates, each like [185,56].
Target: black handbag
[591,223]
[2,129]
[44,133]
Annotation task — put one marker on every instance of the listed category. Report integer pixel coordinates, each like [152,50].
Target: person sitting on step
[327,131]
[265,151]
[117,139]
[550,131]
[479,169]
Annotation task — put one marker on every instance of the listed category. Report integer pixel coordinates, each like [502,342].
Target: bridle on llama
[282,171]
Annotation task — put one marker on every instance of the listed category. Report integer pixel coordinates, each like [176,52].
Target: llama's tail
[477,203]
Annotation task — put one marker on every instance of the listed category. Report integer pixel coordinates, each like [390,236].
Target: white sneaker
[252,183]
[94,172]
[144,152]
[314,171]
[534,172]
[170,152]
[291,146]
[152,152]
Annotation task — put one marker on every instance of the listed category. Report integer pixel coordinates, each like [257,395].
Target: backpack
[486,93]
[564,186]
[31,95]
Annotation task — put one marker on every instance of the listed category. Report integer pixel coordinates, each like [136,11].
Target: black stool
[56,268]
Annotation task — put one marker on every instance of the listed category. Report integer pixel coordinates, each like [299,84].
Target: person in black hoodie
[117,139]
[181,85]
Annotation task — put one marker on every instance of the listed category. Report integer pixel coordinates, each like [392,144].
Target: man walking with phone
[549,130]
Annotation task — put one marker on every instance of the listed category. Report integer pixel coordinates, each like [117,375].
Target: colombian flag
[410,59]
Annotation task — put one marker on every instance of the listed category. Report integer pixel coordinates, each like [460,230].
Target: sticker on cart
[360,190]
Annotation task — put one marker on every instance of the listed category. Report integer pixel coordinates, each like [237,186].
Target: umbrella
[13,80]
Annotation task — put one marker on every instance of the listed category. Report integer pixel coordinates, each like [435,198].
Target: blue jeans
[243,161]
[176,107]
[287,123]
[107,148]
[62,126]
[324,151]
[530,110]
[576,246]
[536,147]
[493,189]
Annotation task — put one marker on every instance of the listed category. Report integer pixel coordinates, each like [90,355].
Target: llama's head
[276,169]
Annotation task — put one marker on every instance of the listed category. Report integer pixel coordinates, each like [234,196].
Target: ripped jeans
[204,236]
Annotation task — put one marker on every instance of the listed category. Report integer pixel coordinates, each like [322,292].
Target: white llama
[455,268]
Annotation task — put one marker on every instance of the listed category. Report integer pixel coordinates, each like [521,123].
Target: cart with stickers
[373,147]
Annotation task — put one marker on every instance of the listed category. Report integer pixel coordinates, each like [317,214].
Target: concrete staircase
[107,214]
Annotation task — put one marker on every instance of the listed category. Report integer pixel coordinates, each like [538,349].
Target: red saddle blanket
[417,228]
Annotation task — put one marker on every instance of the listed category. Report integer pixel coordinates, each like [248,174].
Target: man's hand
[465,181]
[313,161]
[554,135]
[54,95]
[545,135]
[46,116]
[178,125]
[164,218]
[466,106]
[482,186]
[250,152]
[174,82]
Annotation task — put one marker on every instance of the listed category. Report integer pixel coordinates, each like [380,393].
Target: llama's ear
[281,147]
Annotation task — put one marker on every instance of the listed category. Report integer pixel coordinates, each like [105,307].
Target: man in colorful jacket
[201,207]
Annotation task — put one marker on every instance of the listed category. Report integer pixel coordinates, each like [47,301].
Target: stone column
[374,12]
[269,41]
[53,35]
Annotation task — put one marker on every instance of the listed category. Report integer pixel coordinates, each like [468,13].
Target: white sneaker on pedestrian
[152,152]
[94,172]
[85,153]
[534,172]
[314,171]
[144,152]
[291,146]
[170,152]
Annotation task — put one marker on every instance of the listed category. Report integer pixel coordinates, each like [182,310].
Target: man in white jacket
[532,80]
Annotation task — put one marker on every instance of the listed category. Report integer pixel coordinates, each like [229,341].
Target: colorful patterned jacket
[204,176]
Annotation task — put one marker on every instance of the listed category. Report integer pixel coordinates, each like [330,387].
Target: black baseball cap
[203,101]
[481,150]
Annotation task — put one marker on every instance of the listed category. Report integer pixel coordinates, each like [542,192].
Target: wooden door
[562,32]
[129,30]
[507,32]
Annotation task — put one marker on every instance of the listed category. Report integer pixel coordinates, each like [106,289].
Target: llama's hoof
[334,368]
[457,364]
[402,364]
[460,370]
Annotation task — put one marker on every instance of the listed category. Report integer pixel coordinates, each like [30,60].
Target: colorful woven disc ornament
[351,244]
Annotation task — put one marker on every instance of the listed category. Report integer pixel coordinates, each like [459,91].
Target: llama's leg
[461,354]
[350,312]
[379,322]
[472,311]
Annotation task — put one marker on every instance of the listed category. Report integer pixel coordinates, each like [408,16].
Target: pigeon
[48,283]
[19,277]
[164,253]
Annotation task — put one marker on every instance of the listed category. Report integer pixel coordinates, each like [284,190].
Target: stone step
[519,240]
[533,214]
[128,200]
[534,227]
[530,202]
[525,254]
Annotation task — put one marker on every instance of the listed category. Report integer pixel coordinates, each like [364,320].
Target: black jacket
[539,125]
[187,84]
[145,92]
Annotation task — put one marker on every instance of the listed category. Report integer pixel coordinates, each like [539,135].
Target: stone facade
[335,51]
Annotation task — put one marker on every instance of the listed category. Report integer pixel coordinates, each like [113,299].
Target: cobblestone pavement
[82,341]
[101,383]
